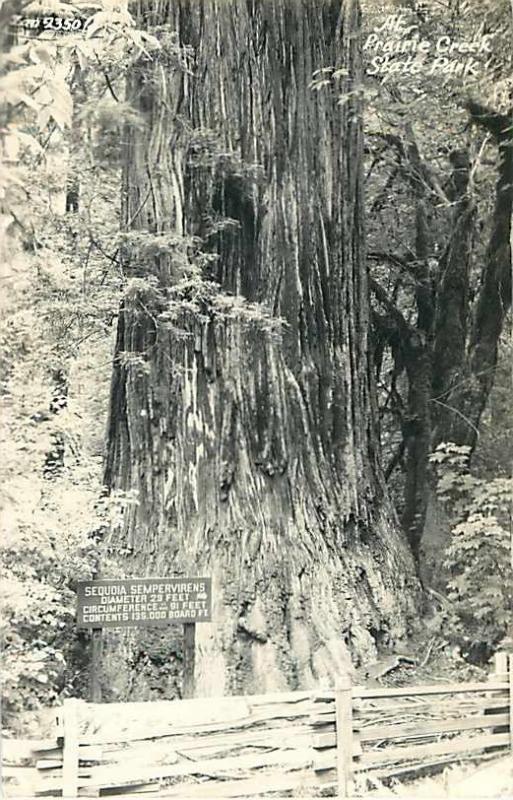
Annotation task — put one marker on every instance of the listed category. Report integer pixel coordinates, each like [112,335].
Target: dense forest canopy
[256,326]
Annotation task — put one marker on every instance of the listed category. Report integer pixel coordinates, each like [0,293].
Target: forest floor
[428,659]
[436,662]
[471,781]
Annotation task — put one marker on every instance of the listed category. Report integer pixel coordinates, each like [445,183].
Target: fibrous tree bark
[465,393]
[411,342]
[417,425]
[449,353]
[242,412]
[452,306]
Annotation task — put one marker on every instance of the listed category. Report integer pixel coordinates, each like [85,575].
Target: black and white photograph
[256,364]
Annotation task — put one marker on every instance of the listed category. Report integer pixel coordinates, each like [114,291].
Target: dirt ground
[493,779]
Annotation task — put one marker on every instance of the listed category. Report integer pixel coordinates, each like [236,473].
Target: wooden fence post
[71,732]
[189,659]
[499,675]
[500,661]
[95,676]
[344,722]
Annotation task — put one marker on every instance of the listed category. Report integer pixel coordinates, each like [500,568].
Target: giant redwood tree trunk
[252,451]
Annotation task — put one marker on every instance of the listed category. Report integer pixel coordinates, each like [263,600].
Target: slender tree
[467,391]
[242,411]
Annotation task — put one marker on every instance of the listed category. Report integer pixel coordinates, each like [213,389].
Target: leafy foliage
[63,282]
[478,557]
[68,269]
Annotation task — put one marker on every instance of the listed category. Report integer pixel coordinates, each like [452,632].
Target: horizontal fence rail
[305,742]
[385,732]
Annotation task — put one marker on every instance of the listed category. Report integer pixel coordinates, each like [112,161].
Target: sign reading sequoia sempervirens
[137,602]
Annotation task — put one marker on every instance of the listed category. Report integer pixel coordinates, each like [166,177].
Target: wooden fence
[300,742]
[386,732]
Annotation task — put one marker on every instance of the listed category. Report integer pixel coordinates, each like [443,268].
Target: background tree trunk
[469,396]
[253,454]
[451,328]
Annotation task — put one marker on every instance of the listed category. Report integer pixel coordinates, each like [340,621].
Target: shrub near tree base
[480,587]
